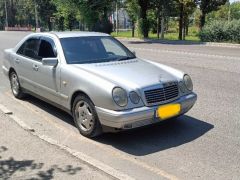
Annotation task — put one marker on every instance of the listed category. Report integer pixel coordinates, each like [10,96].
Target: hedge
[221,31]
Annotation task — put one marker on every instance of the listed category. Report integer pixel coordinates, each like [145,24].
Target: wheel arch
[11,69]
[75,94]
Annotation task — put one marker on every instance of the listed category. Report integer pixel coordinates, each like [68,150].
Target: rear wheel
[15,85]
[85,117]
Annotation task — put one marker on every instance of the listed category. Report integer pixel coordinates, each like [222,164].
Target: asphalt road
[203,144]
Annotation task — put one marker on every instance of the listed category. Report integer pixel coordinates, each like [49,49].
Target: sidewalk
[24,156]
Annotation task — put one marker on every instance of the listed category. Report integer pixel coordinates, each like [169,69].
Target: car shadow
[145,140]
[58,113]
[166,42]
[158,137]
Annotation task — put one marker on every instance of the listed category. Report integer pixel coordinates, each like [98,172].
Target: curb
[179,42]
[79,155]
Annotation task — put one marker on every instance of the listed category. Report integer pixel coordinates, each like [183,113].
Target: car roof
[68,34]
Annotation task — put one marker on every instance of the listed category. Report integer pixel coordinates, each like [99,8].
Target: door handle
[35,67]
[17,60]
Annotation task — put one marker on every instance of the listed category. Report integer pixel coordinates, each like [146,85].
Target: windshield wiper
[124,58]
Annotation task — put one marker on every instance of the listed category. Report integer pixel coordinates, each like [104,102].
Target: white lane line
[185,53]
[81,156]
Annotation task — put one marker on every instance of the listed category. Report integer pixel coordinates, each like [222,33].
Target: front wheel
[85,117]
[15,85]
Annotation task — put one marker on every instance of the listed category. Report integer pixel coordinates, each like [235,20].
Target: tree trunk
[187,26]
[167,24]
[143,15]
[202,20]
[184,31]
[133,28]
[180,35]
[49,25]
[158,23]
[162,26]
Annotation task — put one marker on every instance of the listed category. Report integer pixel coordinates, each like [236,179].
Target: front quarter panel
[77,80]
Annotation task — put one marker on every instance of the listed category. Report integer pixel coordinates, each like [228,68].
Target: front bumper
[142,116]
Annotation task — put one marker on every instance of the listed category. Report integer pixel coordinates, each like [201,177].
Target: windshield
[94,49]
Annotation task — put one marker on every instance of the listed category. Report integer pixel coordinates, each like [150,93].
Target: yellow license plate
[167,111]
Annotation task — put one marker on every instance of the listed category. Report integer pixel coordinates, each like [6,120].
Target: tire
[85,117]
[15,85]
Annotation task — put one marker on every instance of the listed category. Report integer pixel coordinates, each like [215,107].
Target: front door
[47,78]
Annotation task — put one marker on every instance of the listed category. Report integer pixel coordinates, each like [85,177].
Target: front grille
[161,95]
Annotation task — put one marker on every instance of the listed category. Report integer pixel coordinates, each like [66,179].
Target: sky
[233,0]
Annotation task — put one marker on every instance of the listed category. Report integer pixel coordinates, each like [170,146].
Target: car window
[47,48]
[111,48]
[93,49]
[30,48]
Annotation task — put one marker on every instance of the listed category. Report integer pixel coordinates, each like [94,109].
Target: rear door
[26,55]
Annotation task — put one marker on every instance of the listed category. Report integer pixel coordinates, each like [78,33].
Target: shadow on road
[158,137]
[166,42]
[146,140]
[60,114]
[11,168]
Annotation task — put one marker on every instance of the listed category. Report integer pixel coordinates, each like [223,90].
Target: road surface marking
[118,154]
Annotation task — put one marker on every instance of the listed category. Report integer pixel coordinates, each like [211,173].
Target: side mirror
[49,61]
[134,53]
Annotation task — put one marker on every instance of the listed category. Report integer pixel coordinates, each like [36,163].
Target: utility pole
[6,13]
[36,15]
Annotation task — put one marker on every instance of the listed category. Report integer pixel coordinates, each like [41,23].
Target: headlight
[188,82]
[134,97]
[120,96]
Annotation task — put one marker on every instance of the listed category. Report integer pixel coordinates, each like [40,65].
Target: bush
[221,31]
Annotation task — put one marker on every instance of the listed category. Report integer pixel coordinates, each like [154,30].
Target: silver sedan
[97,80]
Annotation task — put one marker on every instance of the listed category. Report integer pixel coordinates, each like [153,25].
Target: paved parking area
[203,144]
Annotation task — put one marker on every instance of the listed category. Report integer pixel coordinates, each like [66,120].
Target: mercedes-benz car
[96,79]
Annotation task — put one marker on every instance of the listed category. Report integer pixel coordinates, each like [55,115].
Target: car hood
[135,73]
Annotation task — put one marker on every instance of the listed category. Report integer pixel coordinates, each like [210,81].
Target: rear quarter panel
[8,61]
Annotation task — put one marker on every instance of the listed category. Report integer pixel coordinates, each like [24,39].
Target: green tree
[235,10]
[185,8]
[94,13]
[25,12]
[20,12]
[46,10]
[163,9]
[207,6]
[221,14]
[67,14]
[189,9]
[143,21]
[132,9]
